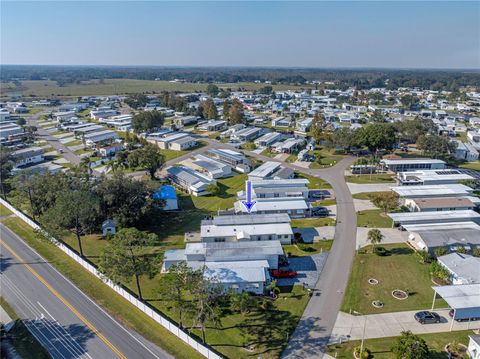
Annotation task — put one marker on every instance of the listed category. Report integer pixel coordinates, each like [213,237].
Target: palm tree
[374,237]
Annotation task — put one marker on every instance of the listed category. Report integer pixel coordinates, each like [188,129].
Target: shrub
[425,257]
[438,271]
[381,251]
[441,251]
[476,252]
[365,352]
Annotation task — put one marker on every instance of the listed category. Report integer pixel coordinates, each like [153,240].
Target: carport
[463,299]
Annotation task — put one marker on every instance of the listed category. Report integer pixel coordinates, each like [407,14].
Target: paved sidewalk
[350,327]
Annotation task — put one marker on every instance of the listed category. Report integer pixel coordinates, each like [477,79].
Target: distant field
[121,86]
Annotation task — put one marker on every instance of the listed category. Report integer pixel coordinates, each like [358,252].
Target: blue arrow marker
[248,203]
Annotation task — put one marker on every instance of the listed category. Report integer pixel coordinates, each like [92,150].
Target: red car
[278,273]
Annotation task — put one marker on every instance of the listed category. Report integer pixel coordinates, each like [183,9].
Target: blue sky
[408,34]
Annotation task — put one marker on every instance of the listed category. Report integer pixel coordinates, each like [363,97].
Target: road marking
[64,301]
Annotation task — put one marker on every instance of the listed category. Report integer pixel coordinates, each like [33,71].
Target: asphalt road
[62,318]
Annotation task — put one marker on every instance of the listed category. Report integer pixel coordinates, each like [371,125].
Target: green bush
[365,353]
[381,251]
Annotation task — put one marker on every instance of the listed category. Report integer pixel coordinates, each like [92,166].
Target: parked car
[462,319]
[427,317]
[320,211]
[316,195]
[283,273]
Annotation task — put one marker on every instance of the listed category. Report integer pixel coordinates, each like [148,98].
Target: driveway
[350,327]
[390,235]
[363,204]
[308,270]
[371,187]
[316,234]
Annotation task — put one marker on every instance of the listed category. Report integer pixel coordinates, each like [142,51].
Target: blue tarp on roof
[165,192]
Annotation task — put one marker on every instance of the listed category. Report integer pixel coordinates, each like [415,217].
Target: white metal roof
[236,272]
[275,204]
[464,266]
[250,229]
[409,217]
[265,169]
[433,190]
[411,161]
[460,296]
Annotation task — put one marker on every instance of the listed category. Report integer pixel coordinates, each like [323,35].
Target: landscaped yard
[374,178]
[227,196]
[325,158]
[400,270]
[373,218]
[381,348]
[315,182]
[312,222]
[306,249]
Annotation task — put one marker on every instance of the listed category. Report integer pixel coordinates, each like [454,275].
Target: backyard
[381,348]
[226,197]
[401,269]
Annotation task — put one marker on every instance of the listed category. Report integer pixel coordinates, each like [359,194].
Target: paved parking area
[308,270]
[350,327]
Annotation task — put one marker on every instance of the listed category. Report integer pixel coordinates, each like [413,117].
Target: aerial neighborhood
[236,212]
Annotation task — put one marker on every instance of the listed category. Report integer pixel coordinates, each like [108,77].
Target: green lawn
[312,222]
[374,218]
[81,151]
[268,152]
[325,158]
[73,143]
[26,345]
[367,195]
[236,329]
[381,348]
[315,182]
[401,270]
[4,211]
[325,202]
[306,249]
[375,178]
[103,295]
[227,196]
[47,88]
[471,165]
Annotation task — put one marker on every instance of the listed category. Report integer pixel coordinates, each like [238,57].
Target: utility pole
[363,336]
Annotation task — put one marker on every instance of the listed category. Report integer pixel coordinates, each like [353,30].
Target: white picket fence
[159,318]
